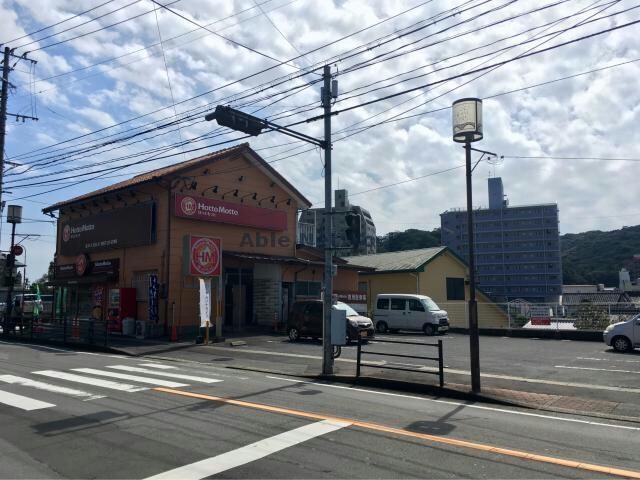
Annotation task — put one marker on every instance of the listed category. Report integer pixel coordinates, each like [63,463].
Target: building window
[140,282]
[362,287]
[308,289]
[397,304]
[455,288]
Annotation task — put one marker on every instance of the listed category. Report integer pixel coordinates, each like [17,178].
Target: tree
[591,317]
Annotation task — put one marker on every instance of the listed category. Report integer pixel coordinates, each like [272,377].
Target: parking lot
[560,367]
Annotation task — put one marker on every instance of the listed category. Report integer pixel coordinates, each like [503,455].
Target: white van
[395,311]
[623,336]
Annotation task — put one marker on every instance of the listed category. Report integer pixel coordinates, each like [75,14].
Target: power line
[58,23]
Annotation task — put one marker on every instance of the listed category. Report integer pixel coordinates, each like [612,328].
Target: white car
[623,336]
[399,311]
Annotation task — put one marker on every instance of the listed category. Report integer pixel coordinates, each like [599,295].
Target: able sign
[202,256]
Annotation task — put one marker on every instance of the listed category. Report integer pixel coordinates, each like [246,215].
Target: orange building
[139,248]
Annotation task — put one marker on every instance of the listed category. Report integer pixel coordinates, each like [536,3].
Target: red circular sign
[17,250]
[188,205]
[66,233]
[82,261]
[205,256]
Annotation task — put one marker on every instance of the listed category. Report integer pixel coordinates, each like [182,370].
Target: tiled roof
[595,297]
[407,260]
[179,167]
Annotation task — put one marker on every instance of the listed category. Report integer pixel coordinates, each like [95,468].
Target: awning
[269,258]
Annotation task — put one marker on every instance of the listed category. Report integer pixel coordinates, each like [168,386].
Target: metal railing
[66,331]
[439,358]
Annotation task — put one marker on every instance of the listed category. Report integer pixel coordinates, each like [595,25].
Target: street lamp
[467,128]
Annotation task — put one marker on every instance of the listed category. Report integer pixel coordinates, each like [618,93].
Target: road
[67,414]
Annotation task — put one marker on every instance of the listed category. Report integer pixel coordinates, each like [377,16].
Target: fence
[69,331]
[439,358]
[518,315]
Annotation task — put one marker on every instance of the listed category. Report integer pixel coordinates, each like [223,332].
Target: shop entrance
[238,298]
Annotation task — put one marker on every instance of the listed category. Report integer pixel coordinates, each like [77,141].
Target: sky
[558,79]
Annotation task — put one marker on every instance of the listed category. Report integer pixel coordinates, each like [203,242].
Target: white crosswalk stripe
[27,382]
[180,376]
[158,365]
[22,402]
[134,378]
[96,382]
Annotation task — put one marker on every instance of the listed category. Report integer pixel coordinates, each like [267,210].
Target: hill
[589,257]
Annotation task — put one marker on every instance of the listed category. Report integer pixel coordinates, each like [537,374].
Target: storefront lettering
[271,240]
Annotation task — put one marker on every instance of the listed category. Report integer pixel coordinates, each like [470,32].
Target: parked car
[24,305]
[395,312]
[305,320]
[623,336]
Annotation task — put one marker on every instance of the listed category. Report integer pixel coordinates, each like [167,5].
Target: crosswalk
[76,383]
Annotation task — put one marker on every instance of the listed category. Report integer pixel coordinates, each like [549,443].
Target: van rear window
[383,304]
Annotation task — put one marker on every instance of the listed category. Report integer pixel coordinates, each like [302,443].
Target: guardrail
[439,358]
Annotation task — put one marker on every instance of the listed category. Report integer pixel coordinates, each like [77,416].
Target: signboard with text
[211,210]
[202,256]
[124,227]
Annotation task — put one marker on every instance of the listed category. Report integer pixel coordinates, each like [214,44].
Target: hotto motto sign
[202,256]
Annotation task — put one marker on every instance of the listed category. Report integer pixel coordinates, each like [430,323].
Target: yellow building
[436,272]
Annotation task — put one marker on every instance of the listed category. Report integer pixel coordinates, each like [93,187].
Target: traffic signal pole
[327,349]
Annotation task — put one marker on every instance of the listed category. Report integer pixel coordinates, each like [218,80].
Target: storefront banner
[153,299]
[109,267]
[202,256]
[205,301]
[124,227]
[211,210]
[351,297]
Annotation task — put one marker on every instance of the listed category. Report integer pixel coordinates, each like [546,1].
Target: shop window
[140,282]
[455,288]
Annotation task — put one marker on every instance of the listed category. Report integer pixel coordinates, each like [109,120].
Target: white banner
[205,301]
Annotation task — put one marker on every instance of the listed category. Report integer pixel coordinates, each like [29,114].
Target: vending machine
[121,304]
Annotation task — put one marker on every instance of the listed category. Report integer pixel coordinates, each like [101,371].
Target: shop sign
[202,256]
[124,227]
[211,210]
[351,297]
[84,267]
[153,298]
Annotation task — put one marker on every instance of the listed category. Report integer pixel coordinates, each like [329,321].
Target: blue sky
[585,122]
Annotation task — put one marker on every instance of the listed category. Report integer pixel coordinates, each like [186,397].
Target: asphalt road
[67,414]
[561,367]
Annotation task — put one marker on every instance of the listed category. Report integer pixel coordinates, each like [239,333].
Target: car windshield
[430,304]
[343,306]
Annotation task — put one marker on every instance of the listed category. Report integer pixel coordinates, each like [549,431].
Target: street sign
[17,250]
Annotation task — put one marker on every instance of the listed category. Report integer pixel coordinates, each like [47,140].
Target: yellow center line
[406,433]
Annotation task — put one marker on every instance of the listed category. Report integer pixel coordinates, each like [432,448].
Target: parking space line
[250,453]
[406,433]
[598,369]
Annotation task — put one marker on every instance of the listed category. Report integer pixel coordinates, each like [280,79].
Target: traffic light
[353,229]
[236,120]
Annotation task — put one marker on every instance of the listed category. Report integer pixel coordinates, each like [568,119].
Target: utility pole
[474,335]
[327,349]
[3,112]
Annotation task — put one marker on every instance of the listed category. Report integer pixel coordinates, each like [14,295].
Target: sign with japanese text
[351,297]
[212,210]
[153,298]
[202,256]
[124,227]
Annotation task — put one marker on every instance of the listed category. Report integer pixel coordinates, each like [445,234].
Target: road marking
[251,453]
[423,436]
[27,382]
[459,404]
[34,344]
[294,355]
[193,378]
[97,382]
[23,403]
[617,360]
[158,365]
[598,369]
[134,378]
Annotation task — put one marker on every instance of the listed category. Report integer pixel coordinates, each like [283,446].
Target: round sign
[17,250]
[188,205]
[205,256]
[81,263]
[66,233]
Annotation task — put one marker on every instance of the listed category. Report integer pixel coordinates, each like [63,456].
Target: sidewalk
[244,356]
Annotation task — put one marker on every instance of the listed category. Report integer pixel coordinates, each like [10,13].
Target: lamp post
[467,128]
